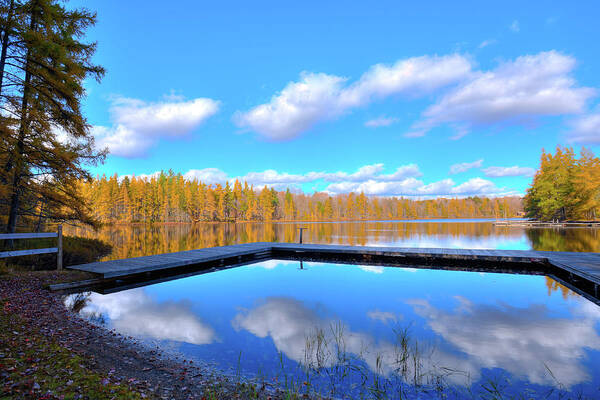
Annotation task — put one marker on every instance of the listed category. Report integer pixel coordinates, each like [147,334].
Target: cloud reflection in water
[521,341]
[134,312]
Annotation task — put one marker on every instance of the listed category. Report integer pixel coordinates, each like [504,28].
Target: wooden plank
[4,236]
[584,265]
[17,253]
[169,260]
[75,285]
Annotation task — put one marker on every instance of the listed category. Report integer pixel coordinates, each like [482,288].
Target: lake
[357,331]
[140,240]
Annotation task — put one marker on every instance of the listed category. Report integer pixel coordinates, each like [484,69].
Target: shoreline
[118,360]
[281,221]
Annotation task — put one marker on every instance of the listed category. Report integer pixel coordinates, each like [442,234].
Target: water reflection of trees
[138,240]
[555,286]
[570,239]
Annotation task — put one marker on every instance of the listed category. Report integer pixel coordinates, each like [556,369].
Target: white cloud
[486,43]
[382,316]
[365,173]
[272,264]
[516,92]
[134,312]
[585,129]
[475,186]
[287,321]
[463,167]
[423,239]
[496,172]
[522,341]
[271,177]
[412,76]
[415,187]
[515,27]
[381,121]
[369,179]
[293,328]
[146,177]
[122,141]
[206,175]
[318,97]
[138,125]
[374,172]
[375,269]
[297,108]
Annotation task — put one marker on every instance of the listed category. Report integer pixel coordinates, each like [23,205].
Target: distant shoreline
[476,219]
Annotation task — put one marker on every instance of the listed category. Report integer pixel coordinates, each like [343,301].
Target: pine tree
[586,185]
[43,64]
[290,207]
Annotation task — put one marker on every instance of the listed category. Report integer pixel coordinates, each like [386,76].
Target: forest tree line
[170,197]
[565,187]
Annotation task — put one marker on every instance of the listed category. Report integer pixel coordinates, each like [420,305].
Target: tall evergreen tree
[46,141]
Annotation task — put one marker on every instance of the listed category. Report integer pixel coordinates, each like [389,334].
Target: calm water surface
[139,240]
[360,329]
[363,330]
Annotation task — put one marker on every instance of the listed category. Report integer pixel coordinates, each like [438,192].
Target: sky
[419,99]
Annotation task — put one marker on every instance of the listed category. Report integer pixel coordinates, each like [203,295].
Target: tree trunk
[5,36]
[19,166]
[40,217]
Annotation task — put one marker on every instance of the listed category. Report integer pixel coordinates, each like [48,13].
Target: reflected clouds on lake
[526,342]
[400,324]
[134,312]
[383,316]
[523,341]
[295,329]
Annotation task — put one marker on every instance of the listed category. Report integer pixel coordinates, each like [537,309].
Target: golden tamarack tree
[565,187]
[169,197]
[46,141]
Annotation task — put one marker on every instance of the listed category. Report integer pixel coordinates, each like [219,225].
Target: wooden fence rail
[17,253]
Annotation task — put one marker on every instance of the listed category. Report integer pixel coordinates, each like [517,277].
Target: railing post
[59,254]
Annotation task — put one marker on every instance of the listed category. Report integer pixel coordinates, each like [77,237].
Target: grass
[330,370]
[76,250]
[35,366]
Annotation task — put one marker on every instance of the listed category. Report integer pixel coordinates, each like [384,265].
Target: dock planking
[581,265]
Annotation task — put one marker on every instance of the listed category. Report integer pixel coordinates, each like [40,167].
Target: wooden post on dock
[59,253]
[301,230]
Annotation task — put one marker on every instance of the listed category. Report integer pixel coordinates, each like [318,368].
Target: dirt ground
[35,319]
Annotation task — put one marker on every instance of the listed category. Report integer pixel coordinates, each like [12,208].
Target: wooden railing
[17,253]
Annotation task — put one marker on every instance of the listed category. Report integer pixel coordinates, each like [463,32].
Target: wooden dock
[577,270]
[539,224]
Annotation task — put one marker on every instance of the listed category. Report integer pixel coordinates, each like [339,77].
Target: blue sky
[418,98]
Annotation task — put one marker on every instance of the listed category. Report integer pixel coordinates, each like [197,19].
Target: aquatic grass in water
[346,331]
